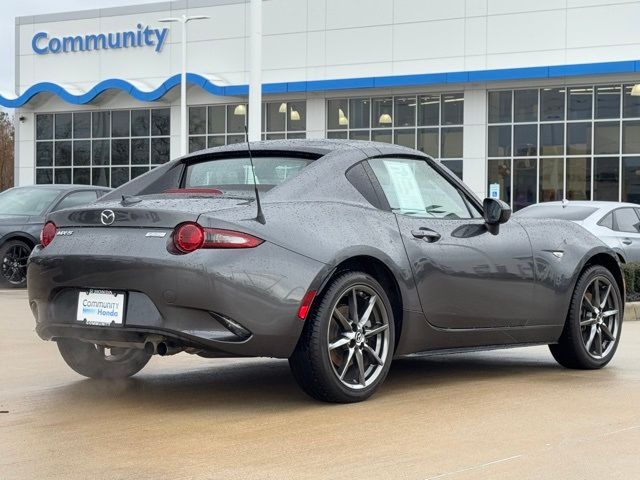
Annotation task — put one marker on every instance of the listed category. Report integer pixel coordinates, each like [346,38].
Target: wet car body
[475,287]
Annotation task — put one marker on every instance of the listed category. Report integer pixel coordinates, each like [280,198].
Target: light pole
[184,19]
[255,76]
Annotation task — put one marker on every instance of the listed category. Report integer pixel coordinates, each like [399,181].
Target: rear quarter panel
[557,273]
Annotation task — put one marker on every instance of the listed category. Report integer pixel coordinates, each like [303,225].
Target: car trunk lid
[157,211]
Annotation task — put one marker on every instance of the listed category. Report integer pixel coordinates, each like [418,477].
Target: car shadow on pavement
[259,384]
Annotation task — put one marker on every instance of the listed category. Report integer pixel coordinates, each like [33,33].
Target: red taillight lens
[48,233]
[216,238]
[305,305]
[189,237]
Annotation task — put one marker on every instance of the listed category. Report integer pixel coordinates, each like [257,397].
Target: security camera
[22,119]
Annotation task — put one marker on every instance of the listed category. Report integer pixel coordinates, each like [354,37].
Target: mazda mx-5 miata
[351,253]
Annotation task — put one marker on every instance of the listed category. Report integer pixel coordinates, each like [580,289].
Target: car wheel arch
[382,273]
[23,237]
[611,262]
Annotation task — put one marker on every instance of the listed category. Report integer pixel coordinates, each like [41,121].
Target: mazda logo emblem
[107,217]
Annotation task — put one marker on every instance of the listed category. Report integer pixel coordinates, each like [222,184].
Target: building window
[574,142]
[430,123]
[217,125]
[106,148]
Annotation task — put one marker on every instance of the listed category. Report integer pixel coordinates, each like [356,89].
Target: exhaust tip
[149,348]
[162,349]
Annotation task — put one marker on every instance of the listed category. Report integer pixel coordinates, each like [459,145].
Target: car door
[627,223]
[466,276]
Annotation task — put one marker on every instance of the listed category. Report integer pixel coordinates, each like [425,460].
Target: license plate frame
[101,307]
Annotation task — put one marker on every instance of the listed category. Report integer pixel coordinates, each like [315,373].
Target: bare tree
[7,136]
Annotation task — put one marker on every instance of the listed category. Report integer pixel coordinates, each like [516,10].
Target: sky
[12,9]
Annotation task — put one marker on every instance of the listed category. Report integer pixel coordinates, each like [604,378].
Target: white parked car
[616,224]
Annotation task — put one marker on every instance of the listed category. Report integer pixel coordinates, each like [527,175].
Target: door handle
[427,234]
[626,241]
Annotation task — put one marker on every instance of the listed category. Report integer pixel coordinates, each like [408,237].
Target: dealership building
[527,100]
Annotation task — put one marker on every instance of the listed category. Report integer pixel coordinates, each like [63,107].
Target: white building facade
[530,101]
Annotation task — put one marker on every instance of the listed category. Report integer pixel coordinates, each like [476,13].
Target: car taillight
[189,237]
[48,233]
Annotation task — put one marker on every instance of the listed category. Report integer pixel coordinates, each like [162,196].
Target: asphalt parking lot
[506,414]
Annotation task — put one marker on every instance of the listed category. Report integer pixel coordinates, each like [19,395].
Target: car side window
[626,220]
[76,199]
[607,221]
[413,187]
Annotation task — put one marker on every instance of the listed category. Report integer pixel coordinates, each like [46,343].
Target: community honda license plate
[101,307]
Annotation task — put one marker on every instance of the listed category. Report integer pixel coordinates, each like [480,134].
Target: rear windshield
[235,173]
[567,212]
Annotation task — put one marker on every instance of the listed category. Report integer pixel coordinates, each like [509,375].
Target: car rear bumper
[194,301]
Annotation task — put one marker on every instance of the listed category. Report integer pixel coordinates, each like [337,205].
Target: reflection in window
[552,139]
[606,137]
[551,179]
[631,179]
[578,179]
[606,176]
[579,138]
[580,103]
[500,107]
[631,136]
[500,141]
[525,106]
[551,104]
[405,111]
[608,101]
[525,140]
[525,173]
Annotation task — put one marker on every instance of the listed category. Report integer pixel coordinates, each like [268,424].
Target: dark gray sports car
[356,252]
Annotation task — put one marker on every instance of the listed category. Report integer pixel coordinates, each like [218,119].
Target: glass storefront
[217,125]
[107,147]
[574,142]
[431,123]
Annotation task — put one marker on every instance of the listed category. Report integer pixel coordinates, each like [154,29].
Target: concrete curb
[631,311]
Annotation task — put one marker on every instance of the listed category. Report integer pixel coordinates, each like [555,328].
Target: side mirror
[495,211]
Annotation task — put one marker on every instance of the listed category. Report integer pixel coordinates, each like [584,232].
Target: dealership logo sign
[42,44]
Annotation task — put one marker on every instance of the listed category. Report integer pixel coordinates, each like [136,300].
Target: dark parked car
[22,214]
[358,253]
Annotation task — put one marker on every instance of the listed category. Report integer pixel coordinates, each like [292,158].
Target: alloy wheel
[358,340]
[599,318]
[14,264]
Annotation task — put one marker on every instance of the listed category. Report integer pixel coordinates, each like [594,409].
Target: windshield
[26,201]
[235,173]
[567,212]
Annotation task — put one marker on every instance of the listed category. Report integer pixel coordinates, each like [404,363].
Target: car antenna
[260,216]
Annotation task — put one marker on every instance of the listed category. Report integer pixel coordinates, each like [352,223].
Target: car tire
[592,329]
[13,264]
[91,361]
[339,358]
